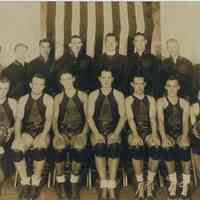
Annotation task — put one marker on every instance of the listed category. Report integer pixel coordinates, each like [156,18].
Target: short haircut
[75,36]
[111,35]
[172,78]
[45,40]
[104,69]
[37,75]
[140,34]
[139,75]
[20,45]
[4,79]
[172,40]
[64,71]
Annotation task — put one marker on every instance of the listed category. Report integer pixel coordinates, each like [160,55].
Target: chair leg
[90,178]
[54,177]
[49,179]
[193,158]
[124,178]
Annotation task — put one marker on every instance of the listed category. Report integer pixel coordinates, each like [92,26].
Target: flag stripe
[76,18]
[149,25]
[123,7]
[132,25]
[67,24]
[139,15]
[108,20]
[43,20]
[84,21]
[51,13]
[116,18]
[91,29]
[59,33]
[99,28]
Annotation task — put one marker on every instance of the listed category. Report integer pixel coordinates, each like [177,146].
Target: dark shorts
[195,144]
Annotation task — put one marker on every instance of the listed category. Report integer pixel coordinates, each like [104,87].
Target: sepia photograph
[99,100]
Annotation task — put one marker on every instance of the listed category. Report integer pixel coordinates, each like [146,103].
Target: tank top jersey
[71,118]
[6,115]
[106,113]
[173,115]
[34,116]
[141,111]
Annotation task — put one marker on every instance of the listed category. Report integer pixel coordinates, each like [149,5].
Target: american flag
[93,20]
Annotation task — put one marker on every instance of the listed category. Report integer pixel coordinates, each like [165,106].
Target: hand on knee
[152,140]
[183,141]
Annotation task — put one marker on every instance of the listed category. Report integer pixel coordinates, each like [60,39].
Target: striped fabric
[92,20]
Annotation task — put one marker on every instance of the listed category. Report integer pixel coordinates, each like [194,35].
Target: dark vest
[141,109]
[6,115]
[34,116]
[173,115]
[71,119]
[106,113]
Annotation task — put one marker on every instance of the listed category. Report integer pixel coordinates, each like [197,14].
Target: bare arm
[56,114]
[84,99]
[186,112]
[130,116]
[194,110]
[161,118]
[121,107]
[48,115]
[153,116]
[91,109]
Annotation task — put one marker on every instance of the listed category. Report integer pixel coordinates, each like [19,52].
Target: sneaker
[185,192]
[172,191]
[24,192]
[60,191]
[150,190]
[140,195]
[34,192]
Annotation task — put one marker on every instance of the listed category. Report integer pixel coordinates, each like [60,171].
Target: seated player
[195,122]
[70,129]
[7,120]
[143,139]
[106,118]
[173,118]
[33,122]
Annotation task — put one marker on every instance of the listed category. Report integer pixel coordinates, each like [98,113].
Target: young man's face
[173,48]
[172,87]
[45,49]
[37,85]
[75,45]
[111,44]
[67,80]
[4,88]
[140,43]
[138,85]
[106,79]
[20,52]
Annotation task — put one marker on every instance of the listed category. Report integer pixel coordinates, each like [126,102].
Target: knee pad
[17,155]
[137,152]
[59,156]
[114,150]
[154,153]
[100,150]
[77,155]
[169,154]
[39,154]
[184,154]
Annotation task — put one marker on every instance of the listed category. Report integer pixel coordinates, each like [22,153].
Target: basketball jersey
[71,118]
[34,116]
[173,115]
[141,111]
[106,113]
[6,115]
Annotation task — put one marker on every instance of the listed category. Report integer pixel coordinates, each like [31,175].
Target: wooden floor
[9,193]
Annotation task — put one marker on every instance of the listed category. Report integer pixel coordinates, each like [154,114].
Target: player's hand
[137,140]
[167,141]
[97,138]
[18,144]
[153,140]
[9,134]
[113,138]
[40,141]
[183,141]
